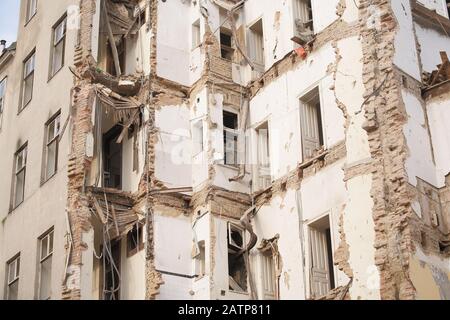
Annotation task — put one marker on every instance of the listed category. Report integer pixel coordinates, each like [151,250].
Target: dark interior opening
[112,159]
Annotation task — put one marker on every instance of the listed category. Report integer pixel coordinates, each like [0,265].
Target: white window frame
[228,132]
[28,73]
[196,35]
[20,156]
[58,39]
[52,138]
[235,227]
[256,55]
[44,256]
[31,10]
[15,262]
[313,225]
[3,84]
[268,280]
[263,181]
[305,99]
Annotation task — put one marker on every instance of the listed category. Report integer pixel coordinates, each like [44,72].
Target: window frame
[25,77]
[197,39]
[224,47]
[313,93]
[47,144]
[251,50]
[16,261]
[28,15]
[235,134]
[3,86]
[49,236]
[62,21]
[16,172]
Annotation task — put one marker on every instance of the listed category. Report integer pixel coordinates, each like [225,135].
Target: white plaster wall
[420,162]
[280,216]
[360,235]
[349,90]
[406,57]
[279,103]
[199,111]
[173,49]
[201,232]
[44,206]
[130,178]
[438,120]
[174,148]
[132,285]
[431,43]
[324,13]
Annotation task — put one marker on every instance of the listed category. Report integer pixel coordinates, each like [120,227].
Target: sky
[9,19]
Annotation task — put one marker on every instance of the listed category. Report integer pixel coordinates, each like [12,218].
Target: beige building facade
[225,149]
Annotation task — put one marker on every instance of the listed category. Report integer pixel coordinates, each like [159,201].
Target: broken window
[28,80]
[196,37]
[197,137]
[237,271]
[226,44]
[264,176]
[12,289]
[58,46]
[135,240]
[19,176]
[311,123]
[31,9]
[256,41]
[52,129]
[303,21]
[112,159]
[2,98]
[200,260]
[321,257]
[230,134]
[45,265]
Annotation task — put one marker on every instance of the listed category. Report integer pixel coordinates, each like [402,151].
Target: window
[321,257]
[196,34]
[31,9]
[237,271]
[135,240]
[311,124]
[230,134]
[256,37]
[12,289]
[303,21]
[28,79]
[19,176]
[200,260]
[264,176]
[58,46]
[52,129]
[226,44]
[268,275]
[197,137]
[45,265]
[2,98]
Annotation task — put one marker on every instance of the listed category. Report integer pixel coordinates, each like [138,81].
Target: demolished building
[225,149]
